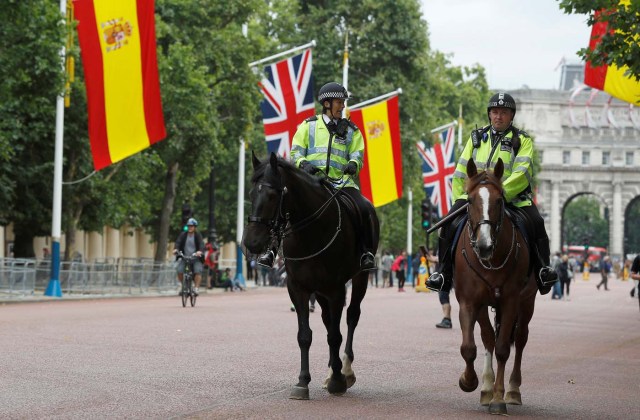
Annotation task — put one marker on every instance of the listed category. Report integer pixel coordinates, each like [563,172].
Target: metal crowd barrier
[101,276]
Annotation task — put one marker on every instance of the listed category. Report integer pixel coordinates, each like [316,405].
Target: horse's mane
[287,167]
[483,177]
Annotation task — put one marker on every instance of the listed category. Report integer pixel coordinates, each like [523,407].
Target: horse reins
[278,223]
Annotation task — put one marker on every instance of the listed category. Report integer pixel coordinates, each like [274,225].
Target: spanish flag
[381,174]
[118,46]
[610,79]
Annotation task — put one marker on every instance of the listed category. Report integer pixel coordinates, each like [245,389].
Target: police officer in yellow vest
[330,141]
[499,139]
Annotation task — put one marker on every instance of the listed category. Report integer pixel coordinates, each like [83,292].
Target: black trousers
[364,209]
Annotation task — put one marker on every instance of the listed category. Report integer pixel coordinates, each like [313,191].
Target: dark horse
[492,269]
[321,252]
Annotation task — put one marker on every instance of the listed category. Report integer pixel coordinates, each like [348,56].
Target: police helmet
[192,222]
[502,100]
[332,90]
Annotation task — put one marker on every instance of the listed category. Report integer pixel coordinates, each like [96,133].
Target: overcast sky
[518,42]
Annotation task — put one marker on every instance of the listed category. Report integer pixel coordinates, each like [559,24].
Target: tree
[30,80]
[619,45]
[582,220]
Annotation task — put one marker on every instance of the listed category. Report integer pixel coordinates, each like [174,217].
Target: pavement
[235,355]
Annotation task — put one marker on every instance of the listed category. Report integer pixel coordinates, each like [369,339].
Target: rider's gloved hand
[309,167]
[351,168]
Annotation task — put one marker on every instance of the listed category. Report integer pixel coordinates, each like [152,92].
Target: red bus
[595,253]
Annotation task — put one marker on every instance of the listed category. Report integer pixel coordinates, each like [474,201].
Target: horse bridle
[496,227]
[278,223]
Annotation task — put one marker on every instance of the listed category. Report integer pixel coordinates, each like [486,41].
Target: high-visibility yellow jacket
[518,169]
[311,143]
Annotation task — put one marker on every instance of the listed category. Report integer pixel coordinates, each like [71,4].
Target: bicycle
[187,292]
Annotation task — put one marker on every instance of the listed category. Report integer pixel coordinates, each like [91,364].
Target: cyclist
[190,242]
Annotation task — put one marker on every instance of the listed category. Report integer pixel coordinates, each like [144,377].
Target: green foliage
[631,232]
[30,79]
[210,101]
[582,220]
[619,47]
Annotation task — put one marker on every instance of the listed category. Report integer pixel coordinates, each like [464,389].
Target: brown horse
[492,269]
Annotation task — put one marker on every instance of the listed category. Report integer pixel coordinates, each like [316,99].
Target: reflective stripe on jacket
[518,169]
[311,143]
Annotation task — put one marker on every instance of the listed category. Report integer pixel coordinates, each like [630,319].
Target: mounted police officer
[332,146]
[499,139]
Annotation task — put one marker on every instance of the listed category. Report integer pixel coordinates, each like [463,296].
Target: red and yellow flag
[381,174]
[610,79]
[118,46]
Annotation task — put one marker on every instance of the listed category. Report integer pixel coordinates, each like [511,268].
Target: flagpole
[345,64]
[53,288]
[410,255]
[283,53]
[460,126]
[240,213]
[377,99]
[444,127]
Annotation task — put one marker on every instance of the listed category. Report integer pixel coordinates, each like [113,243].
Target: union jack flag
[288,100]
[438,165]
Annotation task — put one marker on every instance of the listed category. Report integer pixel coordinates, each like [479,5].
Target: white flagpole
[53,288]
[460,126]
[283,53]
[240,214]
[345,65]
[444,127]
[377,99]
[410,255]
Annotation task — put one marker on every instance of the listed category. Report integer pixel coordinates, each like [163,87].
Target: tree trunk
[23,246]
[70,235]
[167,209]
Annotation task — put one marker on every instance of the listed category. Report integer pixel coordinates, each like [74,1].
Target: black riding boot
[268,258]
[441,278]
[545,275]
[367,259]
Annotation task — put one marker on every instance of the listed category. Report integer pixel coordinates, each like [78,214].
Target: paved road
[235,356]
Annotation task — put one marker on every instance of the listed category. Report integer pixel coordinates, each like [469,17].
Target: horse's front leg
[525,314]
[337,384]
[503,348]
[300,300]
[358,290]
[489,340]
[469,379]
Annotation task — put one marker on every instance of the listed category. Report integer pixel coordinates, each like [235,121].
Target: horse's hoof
[498,408]
[299,393]
[337,386]
[468,388]
[351,379]
[514,398]
[486,397]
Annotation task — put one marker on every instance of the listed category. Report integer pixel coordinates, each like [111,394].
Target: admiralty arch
[588,143]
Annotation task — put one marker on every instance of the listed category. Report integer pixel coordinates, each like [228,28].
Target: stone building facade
[588,143]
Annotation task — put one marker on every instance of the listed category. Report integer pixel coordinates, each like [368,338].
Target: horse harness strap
[335,235]
[514,244]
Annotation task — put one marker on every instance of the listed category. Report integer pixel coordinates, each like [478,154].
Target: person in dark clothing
[190,243]
[605,270]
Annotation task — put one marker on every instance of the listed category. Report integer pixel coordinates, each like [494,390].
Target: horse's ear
[499,169]
[273,161]
[254,159]
[471,168]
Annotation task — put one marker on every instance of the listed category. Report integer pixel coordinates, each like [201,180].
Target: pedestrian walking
[605,271]
[399,266]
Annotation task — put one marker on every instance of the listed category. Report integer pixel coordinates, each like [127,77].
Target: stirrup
[267,259]
[547,276]
[435,282]
[367,262]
